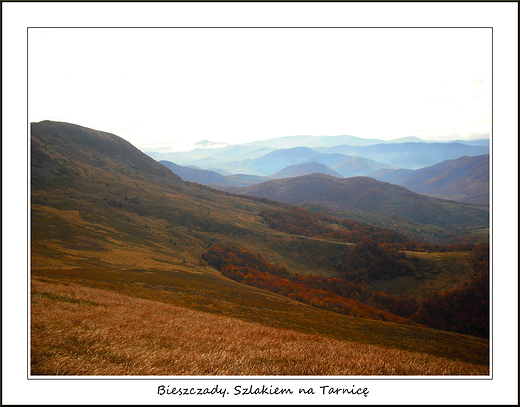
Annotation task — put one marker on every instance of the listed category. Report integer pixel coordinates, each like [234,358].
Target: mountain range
[465,179]
[410,153]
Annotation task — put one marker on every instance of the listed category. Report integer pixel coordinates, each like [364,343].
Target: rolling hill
[117,275]
[307,168]
[370,196]
[277,160]
[465,179]
[271,162]
[348,166]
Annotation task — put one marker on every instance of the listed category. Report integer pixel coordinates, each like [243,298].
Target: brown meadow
[79,330]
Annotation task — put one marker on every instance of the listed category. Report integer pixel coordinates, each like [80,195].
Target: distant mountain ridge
[212,178]
[277,164]
[464,179]
[306,168]
[409,155]
[367,195]
[418,153]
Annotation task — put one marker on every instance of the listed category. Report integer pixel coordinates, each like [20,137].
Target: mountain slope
[56,146]
[212,178]
[199,176]
[364,194]
[465,179]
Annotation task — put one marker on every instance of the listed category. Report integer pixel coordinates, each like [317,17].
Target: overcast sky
[172,87]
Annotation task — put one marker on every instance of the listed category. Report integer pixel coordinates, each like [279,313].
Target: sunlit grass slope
[79,330]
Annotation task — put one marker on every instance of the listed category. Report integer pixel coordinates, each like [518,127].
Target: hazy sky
[172,87]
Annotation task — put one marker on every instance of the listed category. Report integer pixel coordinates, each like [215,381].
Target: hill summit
[365,194]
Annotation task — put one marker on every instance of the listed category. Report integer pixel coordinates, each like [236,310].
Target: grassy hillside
[116,245]
[112,322]
[364,195]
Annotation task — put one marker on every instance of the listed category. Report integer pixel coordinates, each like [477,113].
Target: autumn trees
[302,222]
[370,260]
[464,309]
[333,294]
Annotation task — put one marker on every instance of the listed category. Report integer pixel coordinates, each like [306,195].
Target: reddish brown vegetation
[332,294]
[463,310]
[302,222]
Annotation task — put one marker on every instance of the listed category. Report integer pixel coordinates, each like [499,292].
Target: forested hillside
[407,211]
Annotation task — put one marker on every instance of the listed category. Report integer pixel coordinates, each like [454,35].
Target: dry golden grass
[78,330]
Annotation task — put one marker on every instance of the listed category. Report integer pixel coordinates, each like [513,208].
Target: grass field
[77,330]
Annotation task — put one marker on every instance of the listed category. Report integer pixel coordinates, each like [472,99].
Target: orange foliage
[464,309]
[249,268]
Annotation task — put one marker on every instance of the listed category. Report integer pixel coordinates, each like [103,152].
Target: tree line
[300,221]
[464,309]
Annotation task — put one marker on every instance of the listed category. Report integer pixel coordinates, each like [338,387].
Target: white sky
[170,87]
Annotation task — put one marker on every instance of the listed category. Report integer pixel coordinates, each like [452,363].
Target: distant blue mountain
[409,155]
[307,168]
[465,179]
[212,178]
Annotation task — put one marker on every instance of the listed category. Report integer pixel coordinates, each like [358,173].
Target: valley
[118,241]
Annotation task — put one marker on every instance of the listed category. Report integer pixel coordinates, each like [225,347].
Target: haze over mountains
[449,170]
[410,153]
